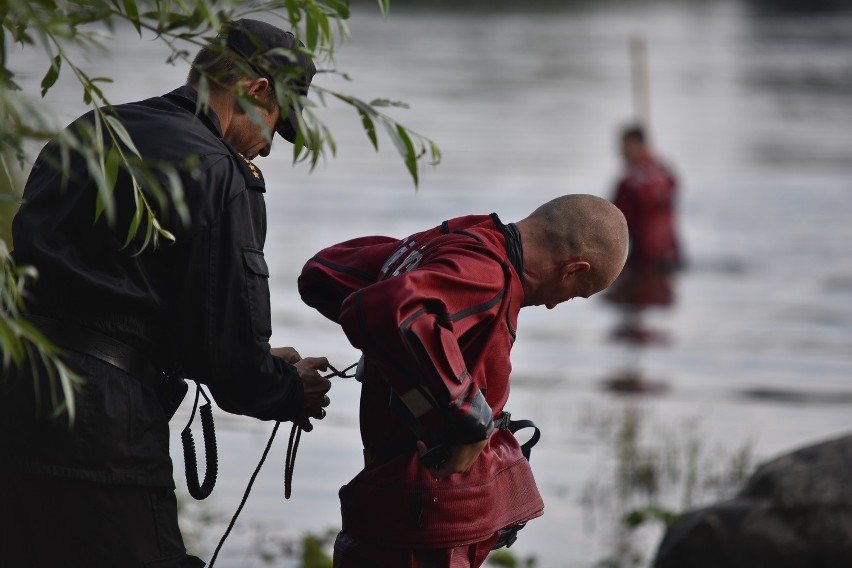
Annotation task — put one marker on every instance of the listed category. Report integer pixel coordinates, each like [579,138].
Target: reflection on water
[640,289]
[751,105]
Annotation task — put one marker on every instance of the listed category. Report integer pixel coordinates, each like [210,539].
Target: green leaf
[161,231]
[13,349]
[384,6]
[341,9]
[294,14]
[175,186]
[122,133]
[357,103]
[90,90]
[132,12]
[435,152]
[388,103]
[404,146]
[298,146]
[203,101]
[167,235]
[99,138]
[99,206]
[409,155]
[312,30]
[104,202]
[111,167]
[369,128]
[149,232]
[6,181]
[207,14]
[51,75]
[135,222]
[325,26]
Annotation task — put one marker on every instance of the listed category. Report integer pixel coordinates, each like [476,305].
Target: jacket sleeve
[415,322]
[223,319]
[334,273]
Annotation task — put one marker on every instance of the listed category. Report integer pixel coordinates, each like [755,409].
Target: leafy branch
[106,147]
[174,22]
[22,343]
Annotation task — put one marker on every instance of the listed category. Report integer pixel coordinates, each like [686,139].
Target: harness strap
[515,426]
[401,446]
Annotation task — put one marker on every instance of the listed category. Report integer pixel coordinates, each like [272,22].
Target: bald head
[579,227]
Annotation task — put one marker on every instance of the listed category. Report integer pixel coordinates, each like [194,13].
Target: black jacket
[201,304]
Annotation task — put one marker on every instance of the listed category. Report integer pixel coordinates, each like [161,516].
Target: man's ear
[257,87]
[573,267]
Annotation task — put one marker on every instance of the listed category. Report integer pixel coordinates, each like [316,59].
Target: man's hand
[462,458]
[315,400]
[289,354]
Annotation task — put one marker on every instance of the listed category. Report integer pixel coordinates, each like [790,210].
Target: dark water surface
[754,112]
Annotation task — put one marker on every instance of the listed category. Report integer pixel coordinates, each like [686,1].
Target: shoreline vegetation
[651,474]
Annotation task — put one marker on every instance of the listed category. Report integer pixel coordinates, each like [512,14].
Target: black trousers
[49,521]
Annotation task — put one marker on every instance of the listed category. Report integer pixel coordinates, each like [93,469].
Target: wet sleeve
[224,321]
[414,322]
[334,273]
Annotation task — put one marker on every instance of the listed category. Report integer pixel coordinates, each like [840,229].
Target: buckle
[502,423]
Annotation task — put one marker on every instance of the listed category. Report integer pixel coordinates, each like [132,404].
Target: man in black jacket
[99,491]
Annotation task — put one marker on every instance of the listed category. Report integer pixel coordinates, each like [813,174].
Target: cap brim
[288,126]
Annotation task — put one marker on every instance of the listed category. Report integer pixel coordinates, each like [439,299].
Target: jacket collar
[514,248]
[187,98]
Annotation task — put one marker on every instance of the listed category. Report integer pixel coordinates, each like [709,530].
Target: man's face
[564,283]
[250,138]
[573,287]
[633,150]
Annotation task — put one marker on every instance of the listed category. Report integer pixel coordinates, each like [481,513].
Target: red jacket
[646,195]
[434,315]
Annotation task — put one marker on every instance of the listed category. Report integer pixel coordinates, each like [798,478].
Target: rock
[794,512]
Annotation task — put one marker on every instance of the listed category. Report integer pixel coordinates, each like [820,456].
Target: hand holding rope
[290,461]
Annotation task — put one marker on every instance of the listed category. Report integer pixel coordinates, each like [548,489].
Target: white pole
[640,81]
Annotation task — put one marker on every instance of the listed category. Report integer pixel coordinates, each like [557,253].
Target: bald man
[434,314]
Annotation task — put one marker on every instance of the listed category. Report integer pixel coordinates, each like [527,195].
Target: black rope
[296,434]
[245,495]
[211,456]
[290,461]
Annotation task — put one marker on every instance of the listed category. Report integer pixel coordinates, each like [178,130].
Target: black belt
[72,337]
[170,390]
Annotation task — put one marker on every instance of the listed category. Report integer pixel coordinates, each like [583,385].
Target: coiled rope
[211,456]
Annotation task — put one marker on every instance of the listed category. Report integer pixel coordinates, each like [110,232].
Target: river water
[752,108]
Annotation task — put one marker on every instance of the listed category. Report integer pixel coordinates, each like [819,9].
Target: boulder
[794,512]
